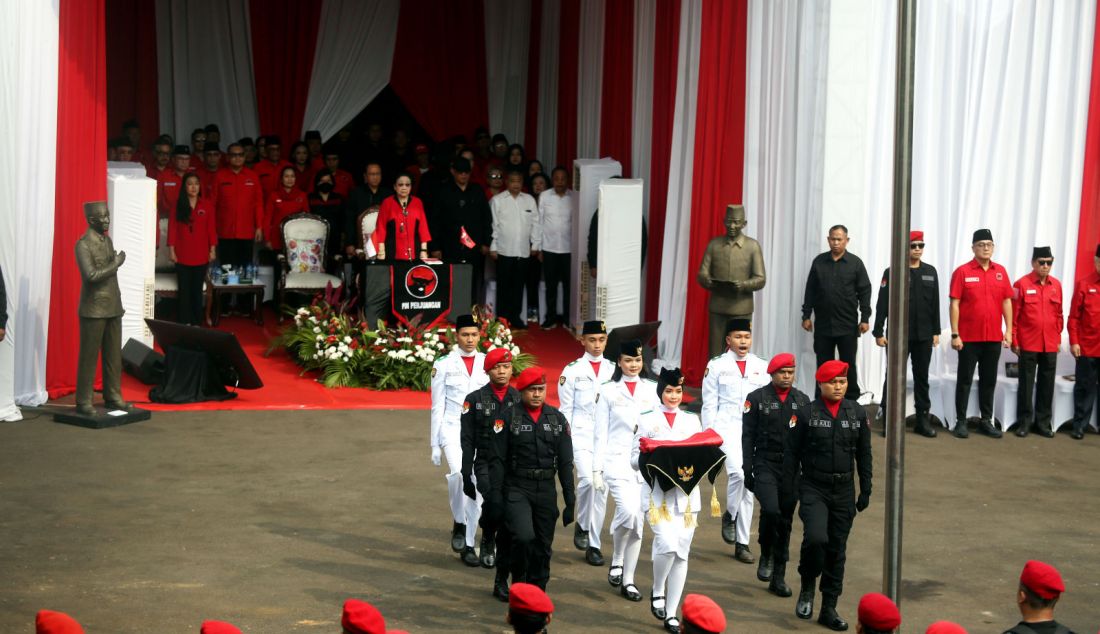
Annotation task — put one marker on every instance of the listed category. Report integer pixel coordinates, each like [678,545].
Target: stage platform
[285,388]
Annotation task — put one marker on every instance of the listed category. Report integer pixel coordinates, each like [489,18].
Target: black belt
[535,474]
[827,478]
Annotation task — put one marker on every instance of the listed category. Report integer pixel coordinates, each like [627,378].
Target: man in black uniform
[461,224]
[924,326]
[836,287]
[535,446]
[1040,588]
[771,412]
[824,448]
[490,408]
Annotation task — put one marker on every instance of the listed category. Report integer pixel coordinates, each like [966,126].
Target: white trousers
[591,504]
[739,500]
[464,510]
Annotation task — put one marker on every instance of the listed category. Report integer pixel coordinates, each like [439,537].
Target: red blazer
[1037,314]
[268,174]
[401,232]
[192,241]
[239,204]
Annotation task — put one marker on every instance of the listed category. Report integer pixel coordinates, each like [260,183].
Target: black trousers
[1036,373]
[827,512]
[530,516]
[778,500]
[1085,389]
[984,355]
[921,354]
[511,276]
[843,347]
[235,252]
[534,276]
[555,268]
[493,526]
[189,294]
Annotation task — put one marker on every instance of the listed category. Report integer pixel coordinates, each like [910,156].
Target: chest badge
[748,407]
[561,381]
[498,425]
[465,406]
[794,421]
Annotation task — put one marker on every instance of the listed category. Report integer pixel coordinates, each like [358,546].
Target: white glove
[437,456]
[597,481]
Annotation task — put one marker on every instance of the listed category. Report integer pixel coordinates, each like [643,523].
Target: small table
[255,293]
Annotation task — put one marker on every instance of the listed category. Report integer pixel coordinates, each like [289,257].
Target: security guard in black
[830,450]
[771,415]
[536,447]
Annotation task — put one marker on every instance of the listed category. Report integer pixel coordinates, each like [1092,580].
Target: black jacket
[827,446]
[835,290]
[767,426]
[479,425]
[453,209]
[924,303]
[544,445]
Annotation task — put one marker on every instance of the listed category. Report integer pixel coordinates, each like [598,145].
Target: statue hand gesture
[120,257]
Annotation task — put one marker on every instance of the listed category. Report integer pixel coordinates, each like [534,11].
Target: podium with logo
[397,292]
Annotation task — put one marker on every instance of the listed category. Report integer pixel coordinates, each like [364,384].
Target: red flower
[330,339]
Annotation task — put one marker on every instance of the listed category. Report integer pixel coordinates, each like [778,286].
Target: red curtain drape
[132,68]
[439,65]
[534,46]
[666,47]
[284,39]
[568,51]
[617,92]
[81,172]
[1089,232]
[719,154]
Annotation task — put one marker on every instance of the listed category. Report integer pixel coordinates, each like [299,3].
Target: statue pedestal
[103,418]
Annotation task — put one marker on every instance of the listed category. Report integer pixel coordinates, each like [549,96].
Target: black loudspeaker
[142,362]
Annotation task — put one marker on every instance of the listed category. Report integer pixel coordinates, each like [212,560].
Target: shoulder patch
[748,406]
[465,406]
[561,380]
[572,363]
[434,371]
[648,411]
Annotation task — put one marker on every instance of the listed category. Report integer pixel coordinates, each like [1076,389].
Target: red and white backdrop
[785,107]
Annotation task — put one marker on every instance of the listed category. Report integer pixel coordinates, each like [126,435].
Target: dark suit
[100,318]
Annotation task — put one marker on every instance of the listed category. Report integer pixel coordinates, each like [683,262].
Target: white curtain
[784,145]
[507,26]
[590,78]
[678,273]
[28,120]
[204,67]
[355,43]
[641,148]
[549,63]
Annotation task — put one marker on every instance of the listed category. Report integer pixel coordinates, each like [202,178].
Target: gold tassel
[689,521]
[665,514]
[715,508]
[654,517]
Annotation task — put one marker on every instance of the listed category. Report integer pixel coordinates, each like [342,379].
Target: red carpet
[285,389]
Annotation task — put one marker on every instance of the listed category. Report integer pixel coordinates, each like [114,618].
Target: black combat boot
[804,608]
[924,425]
[828,616]
[764,568]
[778,585]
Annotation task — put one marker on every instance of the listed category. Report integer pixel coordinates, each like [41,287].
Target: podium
[378,278]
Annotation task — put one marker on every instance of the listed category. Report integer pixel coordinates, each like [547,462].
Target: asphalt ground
[269,520]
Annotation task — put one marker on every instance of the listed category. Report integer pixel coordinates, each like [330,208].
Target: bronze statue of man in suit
[100,312]
[732,270]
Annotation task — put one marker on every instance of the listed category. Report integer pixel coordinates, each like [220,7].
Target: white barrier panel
[587,176]
[132,200]
[619,244]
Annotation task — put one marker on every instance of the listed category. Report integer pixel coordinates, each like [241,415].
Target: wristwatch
[954,335]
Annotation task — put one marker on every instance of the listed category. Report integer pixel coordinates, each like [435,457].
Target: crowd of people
[484,203]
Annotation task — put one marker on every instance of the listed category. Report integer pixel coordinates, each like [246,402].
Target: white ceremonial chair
[302,261]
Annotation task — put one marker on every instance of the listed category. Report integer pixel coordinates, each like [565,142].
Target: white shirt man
[577,389]
[728,379]
[454,376]
[556,208]
[516,238]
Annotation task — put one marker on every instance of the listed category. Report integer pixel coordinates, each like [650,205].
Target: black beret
[465,321]
[738,324]
[630,348]
[273,139]
[181,150]
[330,149]
[1041,252]
[982,234]
[212,127]
[210,147]
[594,328]
[246,141]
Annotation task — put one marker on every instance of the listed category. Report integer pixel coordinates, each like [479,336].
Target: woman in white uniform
[619,407]
[671,514]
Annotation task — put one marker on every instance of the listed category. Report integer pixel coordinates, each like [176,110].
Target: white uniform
[577,389]
[451,382]
[617,416]
[725,389]
[671,538]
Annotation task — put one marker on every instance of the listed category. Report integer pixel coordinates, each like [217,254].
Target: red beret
[50,622]
[218,627]
[1042,579]
[916,236]
[531,376]
[780,361]
[945,627]
[526,597]
[702,612]
[877,611]
[830,370]
[361,617]
[495,356]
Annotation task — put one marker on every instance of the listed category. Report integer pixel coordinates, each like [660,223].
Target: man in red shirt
[162,156]
[981,296]
[269,169]
[314,144]
[1036,333]
[208,173]
[342,182]
[239,209]
[1084,343]
[170,181]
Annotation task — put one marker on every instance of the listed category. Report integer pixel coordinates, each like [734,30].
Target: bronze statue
[732,270]
[100,312]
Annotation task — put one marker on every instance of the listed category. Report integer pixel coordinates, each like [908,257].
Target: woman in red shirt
[192,238]
[402,231]
[303,167]
[281,202]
